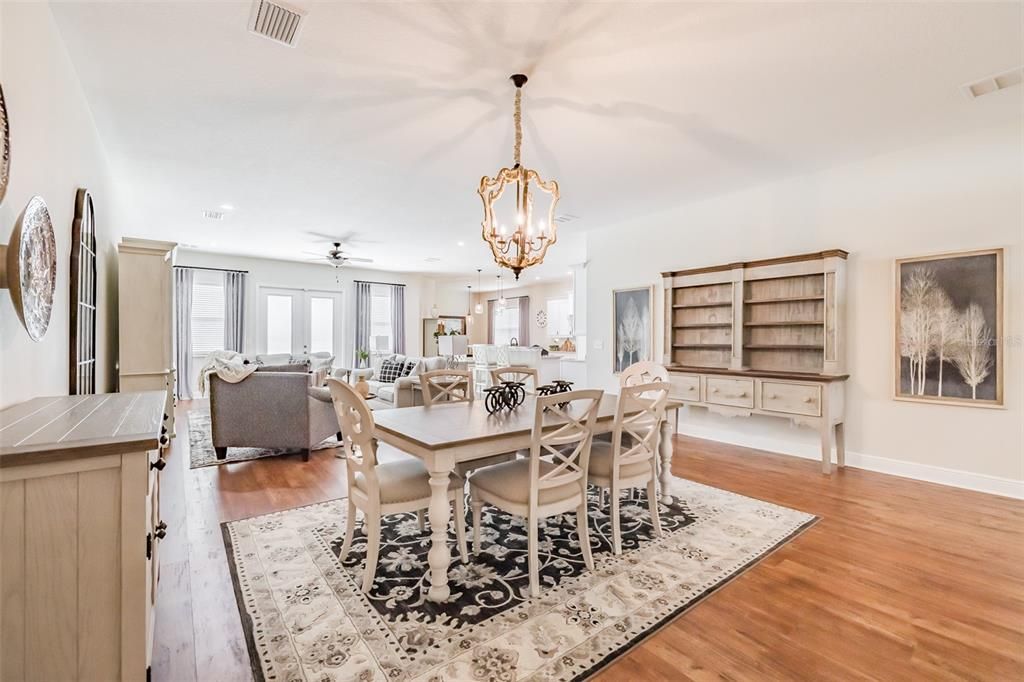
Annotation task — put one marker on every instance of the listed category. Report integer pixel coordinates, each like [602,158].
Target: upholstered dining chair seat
[403,481]
[511,481]
[601,463]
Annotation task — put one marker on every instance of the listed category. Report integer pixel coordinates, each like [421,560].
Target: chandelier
[518,238]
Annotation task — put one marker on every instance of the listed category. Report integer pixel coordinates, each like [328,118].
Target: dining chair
[520,374]
[630,461]
[447,385]
[643,372]
[552,481]
[382,489]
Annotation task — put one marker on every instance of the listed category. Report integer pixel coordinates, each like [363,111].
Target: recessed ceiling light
[432,259]
[462,243]
[226,207]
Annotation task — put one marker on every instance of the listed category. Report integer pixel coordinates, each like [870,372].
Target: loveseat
[400,393]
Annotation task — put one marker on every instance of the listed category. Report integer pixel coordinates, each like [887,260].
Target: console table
[79,533]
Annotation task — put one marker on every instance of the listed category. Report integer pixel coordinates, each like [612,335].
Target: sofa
[317,364]
[271,408]
[400,393]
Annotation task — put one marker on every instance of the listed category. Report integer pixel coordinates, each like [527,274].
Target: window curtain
[490,322]
[398,316]
[234,311]
[524,321]
[363,303]
[183,278]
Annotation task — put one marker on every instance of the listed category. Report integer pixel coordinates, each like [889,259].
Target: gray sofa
[270,409]
[400,393]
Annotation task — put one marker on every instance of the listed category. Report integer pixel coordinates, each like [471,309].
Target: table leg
[826,448]
[665,450]
[439,513]
[840,445]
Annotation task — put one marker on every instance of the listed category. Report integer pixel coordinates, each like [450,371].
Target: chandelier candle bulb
[529,242]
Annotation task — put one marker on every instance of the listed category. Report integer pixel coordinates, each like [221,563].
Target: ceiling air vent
[566,218]
[276,21]
[990,84]
[213,215]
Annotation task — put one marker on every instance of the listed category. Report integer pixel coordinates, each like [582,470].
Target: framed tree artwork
[82,298]
[949,326]
[632,326]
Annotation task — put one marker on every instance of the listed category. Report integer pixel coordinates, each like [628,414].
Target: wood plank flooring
[900,580]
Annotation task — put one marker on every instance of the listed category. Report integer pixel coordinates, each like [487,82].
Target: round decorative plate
[32,267]
[5,147]
[542,319]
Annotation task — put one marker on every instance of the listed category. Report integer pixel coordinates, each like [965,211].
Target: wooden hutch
[762,337]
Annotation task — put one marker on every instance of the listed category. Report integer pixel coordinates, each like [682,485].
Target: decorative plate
[31,267]
[5,147]
[542,319]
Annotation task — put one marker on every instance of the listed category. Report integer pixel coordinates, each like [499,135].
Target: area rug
[305,617]
[202,454]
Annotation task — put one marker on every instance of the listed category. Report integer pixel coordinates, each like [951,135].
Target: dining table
[449,433]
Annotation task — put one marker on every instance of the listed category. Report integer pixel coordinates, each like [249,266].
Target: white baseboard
[1007,487]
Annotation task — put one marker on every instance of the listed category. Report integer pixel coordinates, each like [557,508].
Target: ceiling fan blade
[359,260]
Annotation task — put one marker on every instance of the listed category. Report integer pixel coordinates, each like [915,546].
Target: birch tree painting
[949,317]
[633,330]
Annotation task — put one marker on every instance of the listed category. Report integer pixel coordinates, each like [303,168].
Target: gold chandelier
[518,240]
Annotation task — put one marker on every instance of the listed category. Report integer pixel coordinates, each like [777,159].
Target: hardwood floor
[899,580]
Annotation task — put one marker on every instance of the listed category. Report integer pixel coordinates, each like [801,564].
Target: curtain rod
[387,284]
[199,267]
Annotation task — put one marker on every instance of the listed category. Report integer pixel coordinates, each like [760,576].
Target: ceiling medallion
[517,238]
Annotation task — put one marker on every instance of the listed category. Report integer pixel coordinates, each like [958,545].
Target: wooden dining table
[446,434]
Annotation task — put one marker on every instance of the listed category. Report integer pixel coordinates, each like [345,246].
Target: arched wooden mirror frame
[82,299]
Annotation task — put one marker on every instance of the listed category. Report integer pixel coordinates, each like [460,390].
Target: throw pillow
[410,365]
[390,371]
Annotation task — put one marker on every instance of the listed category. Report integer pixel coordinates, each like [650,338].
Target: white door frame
[301,323]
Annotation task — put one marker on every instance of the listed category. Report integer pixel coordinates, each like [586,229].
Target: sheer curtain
[398,317]
[234,311]
[524,320]
[363,304]
[183,278]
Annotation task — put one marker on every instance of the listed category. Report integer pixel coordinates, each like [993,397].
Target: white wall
[961,193]
[539,293]
[55,149]
[265,272]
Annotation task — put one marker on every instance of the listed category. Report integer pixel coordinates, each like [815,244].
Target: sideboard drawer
[734,392]
[684,386]
[791,398]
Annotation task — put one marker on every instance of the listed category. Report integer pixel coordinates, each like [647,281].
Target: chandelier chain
[517,116]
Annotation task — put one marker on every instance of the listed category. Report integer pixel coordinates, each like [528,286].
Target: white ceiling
[383,118]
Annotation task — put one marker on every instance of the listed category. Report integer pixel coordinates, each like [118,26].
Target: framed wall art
[949,326]
[632,326]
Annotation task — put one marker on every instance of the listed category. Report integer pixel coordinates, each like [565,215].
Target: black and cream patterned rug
[202,454]
[306,618]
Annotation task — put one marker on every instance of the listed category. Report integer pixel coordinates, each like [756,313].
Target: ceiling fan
[337,257]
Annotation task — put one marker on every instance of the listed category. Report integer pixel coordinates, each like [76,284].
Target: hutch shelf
[762,337]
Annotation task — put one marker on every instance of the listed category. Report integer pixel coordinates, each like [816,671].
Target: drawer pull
[161,533]
[163,430]
[773,397]
[159,464]
[807,399]
[166,417]
[714,390]
[690,388]
[162,525]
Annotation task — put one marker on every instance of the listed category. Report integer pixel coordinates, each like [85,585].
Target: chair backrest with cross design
[520,374]
[563,430]
[638,420]
[643,372]
[355,422]
[447,385]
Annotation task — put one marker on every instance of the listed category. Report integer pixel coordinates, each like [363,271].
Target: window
[207,312]
[321,324]
[506,322]
[382,334]
[279,323]
[559,317]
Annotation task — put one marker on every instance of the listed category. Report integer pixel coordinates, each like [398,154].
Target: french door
[298,321]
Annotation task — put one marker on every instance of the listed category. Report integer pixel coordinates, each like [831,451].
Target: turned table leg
[439,513]
[665,450]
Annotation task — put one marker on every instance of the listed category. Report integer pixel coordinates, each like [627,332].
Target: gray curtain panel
[183,330]
[398,316]
[234,311]
[362,340]
[490,322]
[524,320]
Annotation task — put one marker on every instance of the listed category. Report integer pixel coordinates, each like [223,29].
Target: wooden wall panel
[12,580]
[51,586]
[99,584]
